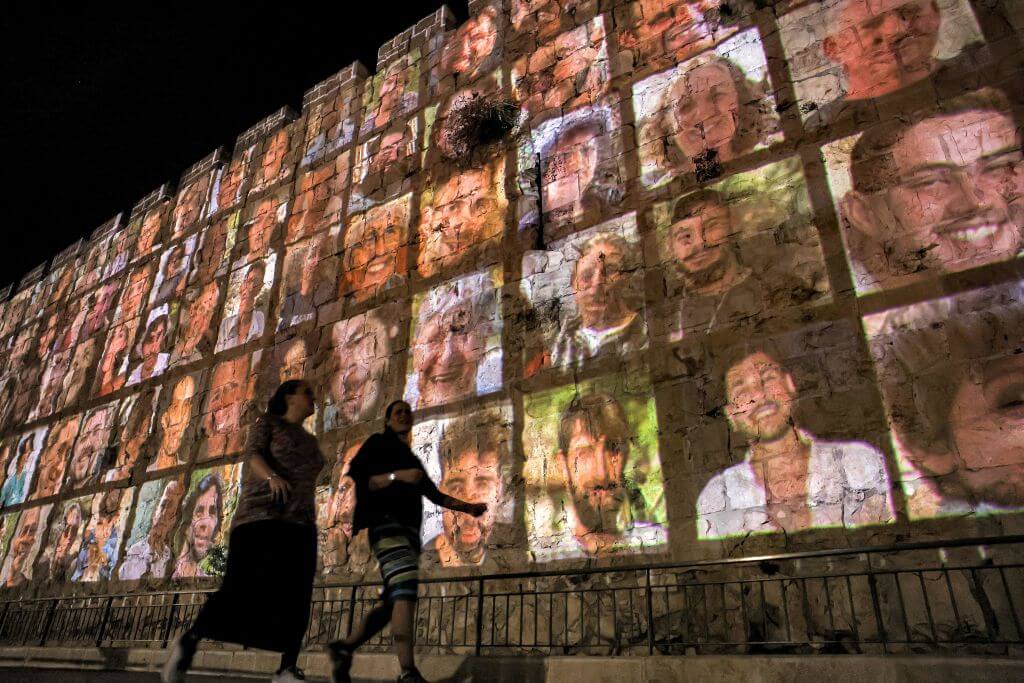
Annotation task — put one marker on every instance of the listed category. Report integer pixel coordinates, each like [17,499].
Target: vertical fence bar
[479,615]
[1009,601]
[650,614]
[103,621]
[169,625]
[351,612]
[50,613]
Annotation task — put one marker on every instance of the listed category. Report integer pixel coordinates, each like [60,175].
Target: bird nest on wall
[476,123]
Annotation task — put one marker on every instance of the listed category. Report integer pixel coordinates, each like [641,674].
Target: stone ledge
[658,669]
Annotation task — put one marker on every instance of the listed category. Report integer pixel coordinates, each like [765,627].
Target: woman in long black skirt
[264,599]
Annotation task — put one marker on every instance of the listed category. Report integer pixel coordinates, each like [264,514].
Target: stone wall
[662,280]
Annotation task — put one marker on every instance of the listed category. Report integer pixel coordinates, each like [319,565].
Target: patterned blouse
[294,454]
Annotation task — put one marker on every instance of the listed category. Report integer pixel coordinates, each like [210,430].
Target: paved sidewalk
[71,676]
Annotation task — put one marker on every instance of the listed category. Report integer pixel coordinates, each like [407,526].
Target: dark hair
[872,168]
[278,404]
[685,205]
[391,408]
[209,481]
[602,415]
[481,435]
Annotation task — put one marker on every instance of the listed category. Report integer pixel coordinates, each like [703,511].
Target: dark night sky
[98,110]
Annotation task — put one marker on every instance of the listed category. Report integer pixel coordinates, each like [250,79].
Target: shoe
[178,663]
[289,675]
[341,662]
[411,676]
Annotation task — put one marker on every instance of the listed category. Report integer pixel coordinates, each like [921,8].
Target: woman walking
[390,482]
[264,600]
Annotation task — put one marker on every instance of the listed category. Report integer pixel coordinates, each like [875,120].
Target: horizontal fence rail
[910,598]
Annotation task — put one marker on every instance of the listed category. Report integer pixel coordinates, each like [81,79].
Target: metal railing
[922,597]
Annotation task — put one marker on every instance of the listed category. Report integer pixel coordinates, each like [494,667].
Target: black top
[382,453]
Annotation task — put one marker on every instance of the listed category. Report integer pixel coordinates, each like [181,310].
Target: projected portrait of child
[738,251]
[197,328]
[455,341]
[57,560]
[213,255]
[392,93]
[949,372]
[54,457]
[581,180]
[705,112]
[571,71]
[149,546]
[462,217]
[471,460]
[101,541]
[152,352]
[172,275]
[131,443]
[587,291]
[931,192]
[228,406]
[319,199]
[330,125]
[113,367]
[206,517]
[375,250]
[361,367]
[778,394]
[849,59]
[309,278]
[176,425]
[89,458]
[190,205]
[593,475]
[24,546]
[248,303]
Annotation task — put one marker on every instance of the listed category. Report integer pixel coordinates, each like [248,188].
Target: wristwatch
[391,476]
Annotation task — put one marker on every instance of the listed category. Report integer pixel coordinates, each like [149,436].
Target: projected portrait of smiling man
[454,353]
[375,250]
[936,192]
[789,479]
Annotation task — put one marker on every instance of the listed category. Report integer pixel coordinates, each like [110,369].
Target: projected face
[197,335]
[472,474]
[272,166]
[293,361]
[230,188]
[668,30]
[469,50]
[229,388]
[102,304]
[201,526]
[63,283]
[113,365]
[760,397]
[149,233]
[705,111]
[174,422]
[245,311]
[699,241]
[543,18]
[260,229]
[571,165]
[361,349]
[329,126]
[189,208]
[465,211]
[87,456]
[152,359]
[68,540]
[74,320]
[450,345]
[54,457]
[957,423]
[165,514]
[24,546]
[319,199]
[135,419]
[883,46]
[600,285]
[947,194]
[135,291]
[391,91]
[82,364]
[252,284]
[173,273]
[215,249]
[375,249]
[53,383]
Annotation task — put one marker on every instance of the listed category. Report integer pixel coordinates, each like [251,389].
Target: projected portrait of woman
[113,368]
[190,205]
[274,166]
[659,33]
[134,425]
[248,303]
[150,544]
[705,112]
[206,517]
[173,447]
[152,353]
